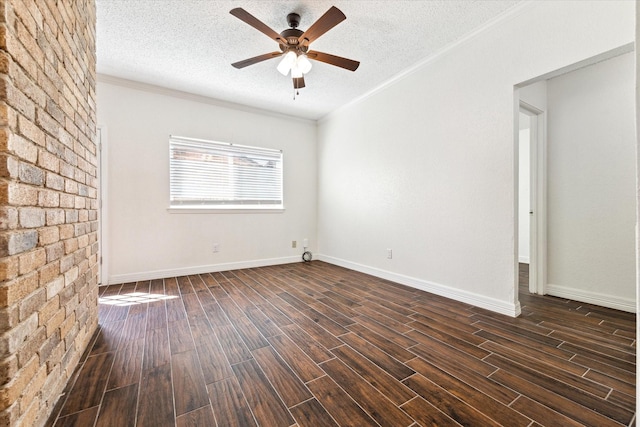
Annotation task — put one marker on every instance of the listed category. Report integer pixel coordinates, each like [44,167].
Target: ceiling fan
[294,44]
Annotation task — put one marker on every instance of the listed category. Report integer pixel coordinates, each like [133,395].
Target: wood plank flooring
[312,344]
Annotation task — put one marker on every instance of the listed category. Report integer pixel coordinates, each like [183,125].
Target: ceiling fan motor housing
[293,19]
[291,35]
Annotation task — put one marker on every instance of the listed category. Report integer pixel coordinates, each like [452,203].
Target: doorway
[531,195]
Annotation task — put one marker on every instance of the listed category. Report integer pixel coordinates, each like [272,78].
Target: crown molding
[160,90]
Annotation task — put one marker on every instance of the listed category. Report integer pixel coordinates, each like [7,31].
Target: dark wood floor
[318,345]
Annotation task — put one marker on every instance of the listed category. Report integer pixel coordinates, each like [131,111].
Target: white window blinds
[216,174]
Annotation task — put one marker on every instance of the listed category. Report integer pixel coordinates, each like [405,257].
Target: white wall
[591,184]
[524,188]
[146,241]
[426,165]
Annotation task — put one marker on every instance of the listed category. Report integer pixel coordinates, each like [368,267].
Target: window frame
[225,207]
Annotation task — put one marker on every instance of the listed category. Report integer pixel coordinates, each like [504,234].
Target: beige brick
[46,83]
[71,216]
[67,326]
[83,241]
[5,132]
[31,131]
[70,276]
[55,217]
[9,167]
[9,317]
[48,161]
[49,198]
[24,84]
[12,340]
[13,291]
[66,263]
[48,235]
[8,218]
[32,303]
[32,260]
[21,195]
[46,122]
[49,345]
[54,361]
[55,287]
[31,217]
[54,181]
[9,267]
[29,411]
[54,110]
[70,186]
[10,416]
[71,336]
[67,200]
[16,99]
[17,242]
[10,393]
[28,40]
[55,251]
[31,390]
[31,344]
[70,246]
[46,46]
[47,311]
[30,174]
[23,148]
[5,62]
[53,385]
[55,321]
[48,272]
[8,369]
[80,202]
[22,12]
[66,231]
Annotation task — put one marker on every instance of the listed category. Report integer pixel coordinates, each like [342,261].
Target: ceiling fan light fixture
[303,63]
[294,44]
[288,61]
[296,72]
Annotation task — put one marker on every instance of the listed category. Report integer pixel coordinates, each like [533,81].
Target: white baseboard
[523,259]
[590,297]
[198,269]
[491,304]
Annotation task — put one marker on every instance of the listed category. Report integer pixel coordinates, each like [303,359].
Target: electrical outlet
[294,243]
[306,242]
[216,247]
[389,253]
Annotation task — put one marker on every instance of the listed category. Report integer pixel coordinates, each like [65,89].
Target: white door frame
[103,270]
[538,210]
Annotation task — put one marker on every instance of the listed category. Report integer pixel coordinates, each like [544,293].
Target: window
[222,175]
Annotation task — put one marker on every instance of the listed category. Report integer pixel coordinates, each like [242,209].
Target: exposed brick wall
[48,201]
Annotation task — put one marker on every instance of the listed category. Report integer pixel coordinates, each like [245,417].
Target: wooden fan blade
[338,61]
[330,19]
[298,82]
[248,18]
[256,59]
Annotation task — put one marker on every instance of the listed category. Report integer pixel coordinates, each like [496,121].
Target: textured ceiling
[189,45]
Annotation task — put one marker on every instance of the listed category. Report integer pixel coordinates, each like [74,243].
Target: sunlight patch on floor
[133,298]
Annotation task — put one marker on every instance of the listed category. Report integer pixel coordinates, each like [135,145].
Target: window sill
[221,210]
